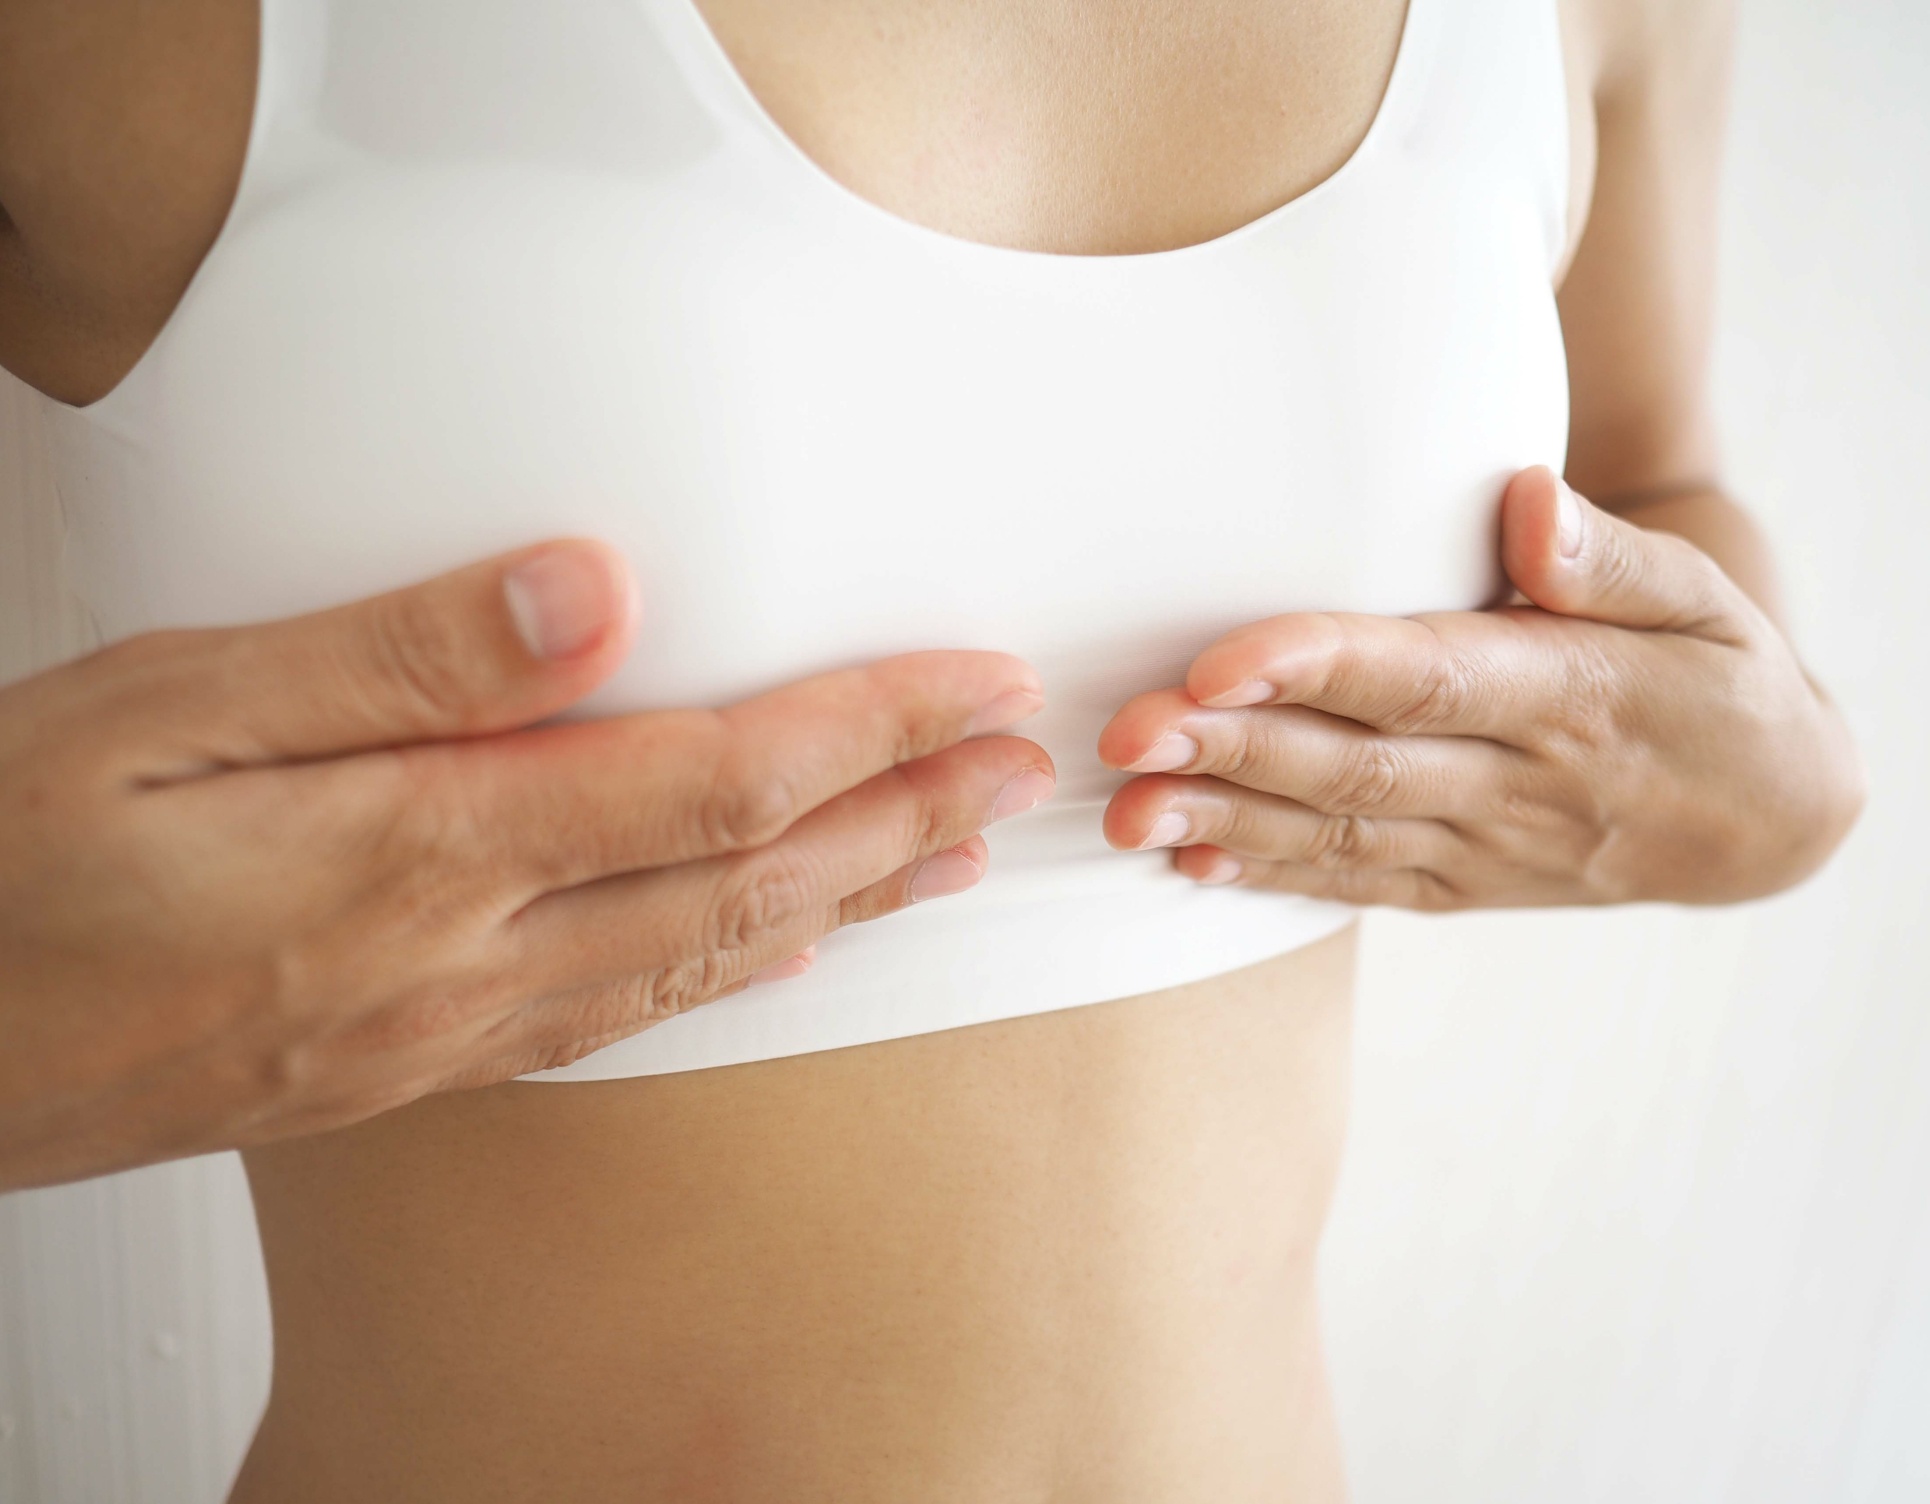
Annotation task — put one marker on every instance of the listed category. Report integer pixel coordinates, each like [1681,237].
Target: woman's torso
[498,272]
[1064,1257]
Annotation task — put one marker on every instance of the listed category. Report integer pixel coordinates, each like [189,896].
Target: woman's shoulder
[123,126]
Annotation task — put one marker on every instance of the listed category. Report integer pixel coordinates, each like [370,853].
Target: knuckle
[760,897]
[640,1002]
[429,822]
[751,803]
[923,813]
[1342,843]
[1520,807]
[1234,819]
[569,1027]
[301,1024]
[1328,653]
[1238,760]
[1365,780]
[1252,755]
[422,852]
[270,1082]
[1434,700]
[898,711]
[934,821]
[693,983]
[1592,702]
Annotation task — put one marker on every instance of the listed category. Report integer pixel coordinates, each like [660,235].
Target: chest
[1077,126]
[627,306]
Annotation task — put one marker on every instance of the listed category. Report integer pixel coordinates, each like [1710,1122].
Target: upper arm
[1637,304]
[122,129]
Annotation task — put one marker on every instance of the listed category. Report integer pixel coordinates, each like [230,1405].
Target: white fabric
[498,272]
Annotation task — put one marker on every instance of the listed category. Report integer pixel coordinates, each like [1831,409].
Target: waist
[973,1264]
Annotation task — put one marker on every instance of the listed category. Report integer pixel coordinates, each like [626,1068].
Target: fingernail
[563,600]
[946,873]
[1173,750]
[1253,692]
[1007,710]
[1223,870]
[1029,788]
[1568,520]
[784,970]
[1170,829]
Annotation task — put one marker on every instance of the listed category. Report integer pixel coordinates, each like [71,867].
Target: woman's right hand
[264,881]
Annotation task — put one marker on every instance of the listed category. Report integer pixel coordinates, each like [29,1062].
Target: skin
[1509,757]
[340,874]
[1067,1257]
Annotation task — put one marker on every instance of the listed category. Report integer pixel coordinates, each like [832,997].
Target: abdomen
[1062,1257]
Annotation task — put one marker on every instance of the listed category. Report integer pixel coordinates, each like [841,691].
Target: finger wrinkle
[1367,781]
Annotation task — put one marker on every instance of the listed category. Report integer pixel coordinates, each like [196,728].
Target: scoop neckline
[724,70]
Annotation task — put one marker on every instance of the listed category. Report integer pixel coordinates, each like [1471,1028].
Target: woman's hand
[1640,731]
[265,881]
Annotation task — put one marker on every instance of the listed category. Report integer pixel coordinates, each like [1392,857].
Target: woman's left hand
[1640,731]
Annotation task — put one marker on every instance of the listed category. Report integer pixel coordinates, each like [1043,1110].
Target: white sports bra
[500,270]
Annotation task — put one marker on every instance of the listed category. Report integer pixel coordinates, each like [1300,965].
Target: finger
[783,971]
[729,915]
[562,805]
[1454,673]
[550,1033]
[560,1030]
[498,644]
[1405,888]
[528,1051]
[1335,765]
[1164,810]
[1571,557]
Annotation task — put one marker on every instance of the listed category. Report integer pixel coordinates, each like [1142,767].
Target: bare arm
[258,881]
[1637,306]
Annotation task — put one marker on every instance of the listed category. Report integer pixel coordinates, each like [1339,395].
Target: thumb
[495,645]
[1570,557]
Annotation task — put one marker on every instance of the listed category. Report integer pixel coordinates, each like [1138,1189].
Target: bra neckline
[708,53]
[731,90]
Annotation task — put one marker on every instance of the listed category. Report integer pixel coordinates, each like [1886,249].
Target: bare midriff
[1062,1258]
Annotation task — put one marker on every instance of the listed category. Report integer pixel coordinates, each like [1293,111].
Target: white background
[1638,1203]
